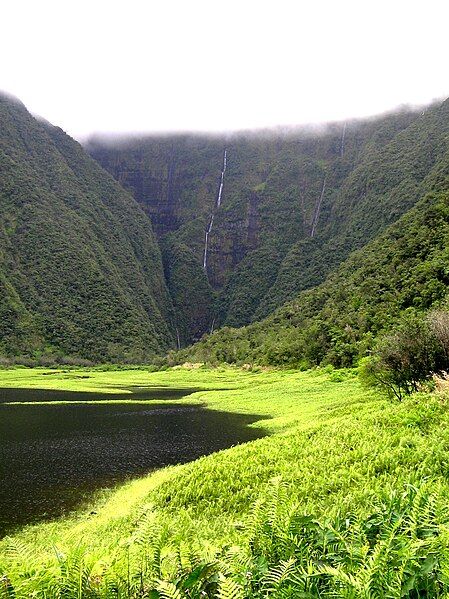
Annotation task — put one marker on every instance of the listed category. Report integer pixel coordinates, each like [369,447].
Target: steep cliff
[243,224]
[80,270]
[286,194]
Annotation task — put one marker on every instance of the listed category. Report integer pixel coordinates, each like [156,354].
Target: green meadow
[346,496]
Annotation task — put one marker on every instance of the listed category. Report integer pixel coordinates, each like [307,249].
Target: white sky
[152,65]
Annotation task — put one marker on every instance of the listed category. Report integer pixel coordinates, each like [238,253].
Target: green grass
[335,452]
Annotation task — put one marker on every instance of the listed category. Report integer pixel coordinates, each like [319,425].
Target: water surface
[54,456]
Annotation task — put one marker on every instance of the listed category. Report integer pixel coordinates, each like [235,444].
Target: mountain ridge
[85,296]
[282,218]
[252,265]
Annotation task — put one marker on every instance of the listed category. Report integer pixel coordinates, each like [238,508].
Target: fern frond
[168,590]
[19,552]
[229,589]
[346,580]
[280,574]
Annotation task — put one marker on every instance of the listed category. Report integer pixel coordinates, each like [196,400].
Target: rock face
[397,198]
[286,195]
[81,272]
[171,178]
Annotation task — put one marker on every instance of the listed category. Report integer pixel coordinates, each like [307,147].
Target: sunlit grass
[337,448]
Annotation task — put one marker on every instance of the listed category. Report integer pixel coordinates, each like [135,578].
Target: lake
[53,457]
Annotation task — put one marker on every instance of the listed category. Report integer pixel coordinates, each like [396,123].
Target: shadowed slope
[80,271]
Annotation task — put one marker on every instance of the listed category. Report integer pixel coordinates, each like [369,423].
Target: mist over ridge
[286,130]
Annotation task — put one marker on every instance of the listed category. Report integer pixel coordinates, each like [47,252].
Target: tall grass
[400,549]
[347,498]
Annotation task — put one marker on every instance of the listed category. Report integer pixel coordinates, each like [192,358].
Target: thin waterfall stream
[342,140]
[217,205]
[318,209]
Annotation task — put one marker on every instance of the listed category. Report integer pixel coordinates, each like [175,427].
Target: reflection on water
[52,457]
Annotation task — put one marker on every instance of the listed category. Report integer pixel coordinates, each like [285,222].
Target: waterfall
[217,205]
[342,142]
[206,241]
[223,170]
[212,325]
[178,340]
[317,209]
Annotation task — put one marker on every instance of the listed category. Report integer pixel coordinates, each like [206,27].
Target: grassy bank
[286,514]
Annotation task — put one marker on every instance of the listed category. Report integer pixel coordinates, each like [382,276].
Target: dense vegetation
[192,296]
[409,356]
[80,271]
[346,498]
[83,277]
[271,198]
[347,224]
[402,271]
[346,182]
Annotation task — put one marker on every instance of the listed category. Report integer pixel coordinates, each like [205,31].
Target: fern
[168,590]
[229,589]
[279,574]
[21,553]
[6,588]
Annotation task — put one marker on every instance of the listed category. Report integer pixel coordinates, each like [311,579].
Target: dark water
[53,457]
[136,393]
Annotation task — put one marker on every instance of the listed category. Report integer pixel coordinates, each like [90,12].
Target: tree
[406,358]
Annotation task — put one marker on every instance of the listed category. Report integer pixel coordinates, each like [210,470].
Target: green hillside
[80,271]
[386,184]
[295,202]
[404,269]
[82,275]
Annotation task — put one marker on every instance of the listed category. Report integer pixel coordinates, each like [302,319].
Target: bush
[405,359]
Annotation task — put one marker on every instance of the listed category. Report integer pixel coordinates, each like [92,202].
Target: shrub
[409,356]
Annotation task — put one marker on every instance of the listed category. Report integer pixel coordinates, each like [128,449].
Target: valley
[224,300]
[223,361]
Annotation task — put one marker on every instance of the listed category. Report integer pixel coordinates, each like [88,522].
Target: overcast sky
[153,65]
